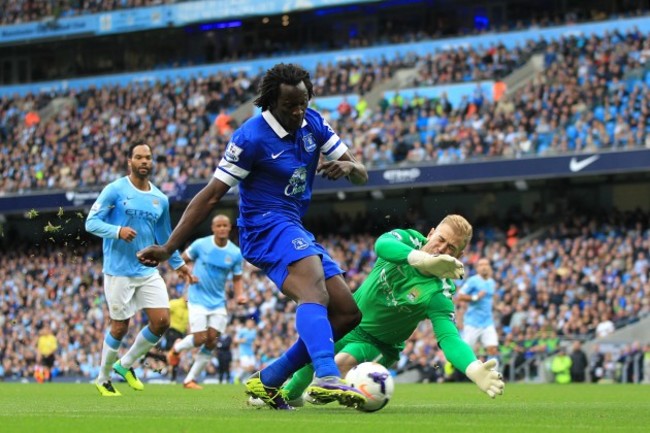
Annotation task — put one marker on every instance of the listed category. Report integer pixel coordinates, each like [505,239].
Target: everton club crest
[309,143]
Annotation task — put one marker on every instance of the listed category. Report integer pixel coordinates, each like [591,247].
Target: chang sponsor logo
[297,183]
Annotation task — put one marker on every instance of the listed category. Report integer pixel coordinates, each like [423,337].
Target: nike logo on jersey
[575,165]
[275,155]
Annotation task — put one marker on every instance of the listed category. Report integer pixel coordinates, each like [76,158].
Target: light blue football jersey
[120,204]
[248,337]
[274,169]
[212,265]
[479,313]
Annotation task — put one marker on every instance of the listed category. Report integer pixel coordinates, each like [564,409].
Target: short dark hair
[282,73]
[135,144]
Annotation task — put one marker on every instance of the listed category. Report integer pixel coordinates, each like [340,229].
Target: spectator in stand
[344,108]
[223,123]
[605,327]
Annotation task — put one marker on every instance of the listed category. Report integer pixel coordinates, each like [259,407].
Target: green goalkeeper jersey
[396,297]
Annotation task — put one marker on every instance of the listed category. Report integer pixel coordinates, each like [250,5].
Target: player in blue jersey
[273,157]
[215,258]
[478,323]
[129,214]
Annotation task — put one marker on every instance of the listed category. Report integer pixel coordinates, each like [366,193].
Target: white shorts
[486,336]
[127,295]
[202,318]
[246,361]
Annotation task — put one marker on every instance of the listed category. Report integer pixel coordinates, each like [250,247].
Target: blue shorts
[273,248]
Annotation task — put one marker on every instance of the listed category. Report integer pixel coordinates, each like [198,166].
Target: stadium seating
[456,130]
[18,11]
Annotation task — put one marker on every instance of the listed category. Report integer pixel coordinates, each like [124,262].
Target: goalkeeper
[411,281]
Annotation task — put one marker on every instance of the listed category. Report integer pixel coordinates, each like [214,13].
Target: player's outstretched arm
[459,353]
[195,213]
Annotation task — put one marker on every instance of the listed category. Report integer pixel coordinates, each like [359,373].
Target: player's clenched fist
[127,234]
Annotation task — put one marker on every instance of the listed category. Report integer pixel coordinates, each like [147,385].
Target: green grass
[448,408]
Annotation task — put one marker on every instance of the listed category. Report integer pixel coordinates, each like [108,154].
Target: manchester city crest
[309,143]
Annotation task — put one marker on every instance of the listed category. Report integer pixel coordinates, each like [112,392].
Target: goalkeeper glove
[441,265]
[486,377]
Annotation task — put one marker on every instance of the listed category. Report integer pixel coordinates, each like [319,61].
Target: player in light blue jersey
[215,258]
[478,323]
[129,214]
[273,157]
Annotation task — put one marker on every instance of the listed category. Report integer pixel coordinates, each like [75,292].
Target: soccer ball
[375,382]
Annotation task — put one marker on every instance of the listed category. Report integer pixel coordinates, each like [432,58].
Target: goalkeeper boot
[128,375]
[332,388]
[107,389]
[272,397]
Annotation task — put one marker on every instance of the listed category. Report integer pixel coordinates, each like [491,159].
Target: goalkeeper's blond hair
[460,226]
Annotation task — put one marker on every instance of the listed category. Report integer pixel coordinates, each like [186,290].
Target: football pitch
[449,408]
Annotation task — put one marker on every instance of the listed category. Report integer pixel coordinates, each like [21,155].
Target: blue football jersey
[120,204]
[274,169]
[248,337]
[479,313]
[212,265]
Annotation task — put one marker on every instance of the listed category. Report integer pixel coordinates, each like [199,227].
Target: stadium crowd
[23,11]
[393,31]
[590,96]
[579,280]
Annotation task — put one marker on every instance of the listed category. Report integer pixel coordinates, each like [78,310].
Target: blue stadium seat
[571,132]
[599,113]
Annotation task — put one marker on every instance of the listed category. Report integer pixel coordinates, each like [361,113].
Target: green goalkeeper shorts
[364,347]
